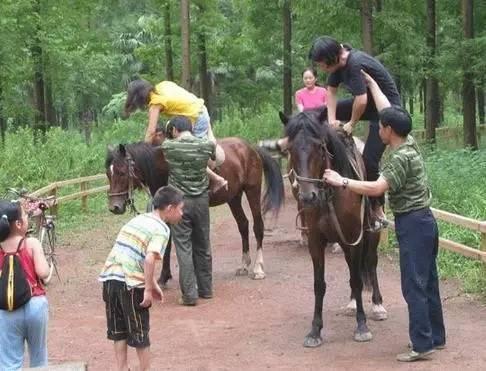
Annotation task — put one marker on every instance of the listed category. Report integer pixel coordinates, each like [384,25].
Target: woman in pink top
[310,96]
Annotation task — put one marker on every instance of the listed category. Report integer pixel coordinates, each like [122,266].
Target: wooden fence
[83,194]
[449,133]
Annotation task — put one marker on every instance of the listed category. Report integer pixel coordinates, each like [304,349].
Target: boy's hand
[157,293]
[147,299]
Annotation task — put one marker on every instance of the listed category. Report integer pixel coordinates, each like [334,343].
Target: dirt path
[252,325]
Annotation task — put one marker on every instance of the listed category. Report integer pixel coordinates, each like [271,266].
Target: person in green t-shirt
[404,178]
[187,157]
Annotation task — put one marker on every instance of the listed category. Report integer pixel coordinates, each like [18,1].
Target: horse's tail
[369,258]
[274,193]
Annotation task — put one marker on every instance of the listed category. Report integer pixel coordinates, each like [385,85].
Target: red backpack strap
[20,244]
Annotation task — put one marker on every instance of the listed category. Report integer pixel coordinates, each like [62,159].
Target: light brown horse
[332,214]
[140,165]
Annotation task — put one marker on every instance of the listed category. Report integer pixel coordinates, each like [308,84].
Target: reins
[328,196]
[132,177]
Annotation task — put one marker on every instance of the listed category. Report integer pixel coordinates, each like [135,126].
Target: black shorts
[125,318]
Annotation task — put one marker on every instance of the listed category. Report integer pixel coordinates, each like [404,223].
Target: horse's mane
[143,154]
[318,131]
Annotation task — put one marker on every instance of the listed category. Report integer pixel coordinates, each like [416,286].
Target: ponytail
[9,213]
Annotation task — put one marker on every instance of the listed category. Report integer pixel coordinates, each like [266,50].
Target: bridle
[132,179]
[326,194]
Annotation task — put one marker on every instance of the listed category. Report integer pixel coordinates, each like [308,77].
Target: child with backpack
[23,302]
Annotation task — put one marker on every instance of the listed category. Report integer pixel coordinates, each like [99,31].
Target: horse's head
[123,178]
[313,147]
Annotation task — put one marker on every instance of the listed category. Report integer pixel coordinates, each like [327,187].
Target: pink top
[311,99]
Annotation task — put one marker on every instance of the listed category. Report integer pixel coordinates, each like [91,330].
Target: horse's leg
[313,338]
[362,333]
[242,221]
[165,273]
[350,309]
[378,311]
[253,197]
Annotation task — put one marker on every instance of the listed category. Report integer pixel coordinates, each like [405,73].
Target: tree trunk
[169,63]
[205,84]
[421,97]
[480,93]
[410,104]
[432,112]
[287,56]
[468,93]
[186,46]
[39,104]
[366,11]
[379,5]
[48,103]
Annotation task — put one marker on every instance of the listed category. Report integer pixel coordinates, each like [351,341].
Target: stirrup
[378,225]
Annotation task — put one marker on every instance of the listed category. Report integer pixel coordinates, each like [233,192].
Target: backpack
[15,290]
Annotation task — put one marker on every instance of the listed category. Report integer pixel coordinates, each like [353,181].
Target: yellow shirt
[175,100]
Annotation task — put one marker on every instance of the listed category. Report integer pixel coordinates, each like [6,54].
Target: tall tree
[186,46]
[468,91]
[287,56]
[480,95]
[366,12]
[169,64]
[36,50]
[432,105]
[204,81]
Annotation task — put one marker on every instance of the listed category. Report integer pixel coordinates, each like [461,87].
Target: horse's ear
[122,149]
[283,118]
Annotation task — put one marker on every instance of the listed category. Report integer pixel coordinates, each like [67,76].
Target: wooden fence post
[53,192]
[84,198]
[482,228]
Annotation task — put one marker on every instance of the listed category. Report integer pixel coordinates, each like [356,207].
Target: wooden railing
[83,194]
[448,133]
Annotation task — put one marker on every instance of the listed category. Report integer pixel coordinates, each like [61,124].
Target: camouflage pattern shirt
[188,157]
[406,178]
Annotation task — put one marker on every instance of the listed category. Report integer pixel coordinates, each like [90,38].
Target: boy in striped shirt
[129,284]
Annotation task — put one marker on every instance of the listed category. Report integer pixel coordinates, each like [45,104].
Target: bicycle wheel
[48,241]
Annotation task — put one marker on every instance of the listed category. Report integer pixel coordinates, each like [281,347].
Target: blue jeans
[201,126]
[28,323]
[418,238]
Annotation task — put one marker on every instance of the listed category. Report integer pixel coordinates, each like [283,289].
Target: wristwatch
[345,182]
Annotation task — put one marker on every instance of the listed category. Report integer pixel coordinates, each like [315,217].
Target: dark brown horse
[332,214]
[140,165]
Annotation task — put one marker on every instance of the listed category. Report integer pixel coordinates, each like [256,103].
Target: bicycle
[45,228]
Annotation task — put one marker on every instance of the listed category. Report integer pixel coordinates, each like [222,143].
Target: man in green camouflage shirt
[404,178]
[187,157]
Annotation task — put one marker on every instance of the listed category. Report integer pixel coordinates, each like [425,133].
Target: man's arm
[148,272]
[153,118]
[331,104]
[374,188]
[359,106]
[381,101]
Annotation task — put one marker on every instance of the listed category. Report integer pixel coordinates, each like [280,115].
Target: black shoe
[206,296]
[189,303]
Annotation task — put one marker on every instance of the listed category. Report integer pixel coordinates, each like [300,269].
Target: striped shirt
[406,178]
[125,263]
[188,157]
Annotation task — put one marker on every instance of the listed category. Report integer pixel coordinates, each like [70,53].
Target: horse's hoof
[242,272]
[312,342]
[378,313]
[258,276]
[379,316]
[362,337]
